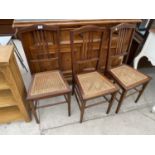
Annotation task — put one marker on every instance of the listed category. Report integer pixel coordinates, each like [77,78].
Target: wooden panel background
[6,27]
[65,50]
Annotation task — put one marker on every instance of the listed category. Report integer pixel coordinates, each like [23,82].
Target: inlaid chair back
[86,47]
[126,77]
[121,37]
[42,42]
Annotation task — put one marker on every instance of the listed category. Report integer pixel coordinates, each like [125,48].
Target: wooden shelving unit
[13,105]
[3,84]
[7,99]
[9,114]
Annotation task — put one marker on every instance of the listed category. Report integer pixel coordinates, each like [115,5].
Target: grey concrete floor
[132,119]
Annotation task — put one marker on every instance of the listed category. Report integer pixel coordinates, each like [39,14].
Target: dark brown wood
[141,92]
[82,111]
[123,32]
[65,22]
[6,27]
[33,109]
[69,104]
[87,59]
[49,105]
[43,46]
[121,100]
[111,102]
[94,104]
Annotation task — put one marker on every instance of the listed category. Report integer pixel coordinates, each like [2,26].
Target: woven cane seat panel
[47,82]
[127,75]
[94,84]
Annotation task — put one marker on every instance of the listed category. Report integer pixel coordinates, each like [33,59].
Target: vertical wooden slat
[124,36]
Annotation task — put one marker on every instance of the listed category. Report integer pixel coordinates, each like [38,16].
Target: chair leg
[34,112]
[141,92]
[111,102]
[19,56]
[121,100]
[73,87]
[69,104]
[82,111]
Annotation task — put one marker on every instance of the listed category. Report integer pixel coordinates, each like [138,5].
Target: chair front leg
[141,92]
[111,102]
[82,110]
[121,100]
[69,104]
[33,109]
[73,85]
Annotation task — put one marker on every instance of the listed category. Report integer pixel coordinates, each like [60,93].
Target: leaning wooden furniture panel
[127,77]
[65,27]
[13,105]
[88,83]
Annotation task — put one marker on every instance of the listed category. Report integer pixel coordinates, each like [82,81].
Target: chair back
[121,37]
[86,47]
[42,47]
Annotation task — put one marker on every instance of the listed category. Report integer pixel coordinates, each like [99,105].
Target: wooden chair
[88,83]
[126,77]
[45,84]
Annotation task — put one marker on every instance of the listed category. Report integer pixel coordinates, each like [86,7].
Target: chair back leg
[33,109]
[82,111]
[141,92]
[111,102]
[69,104]
[121,100]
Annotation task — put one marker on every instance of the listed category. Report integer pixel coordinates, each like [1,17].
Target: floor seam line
[146,115]
[89,120]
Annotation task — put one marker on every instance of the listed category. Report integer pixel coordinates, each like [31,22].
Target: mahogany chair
[125,76]
[45,47]
[86,47]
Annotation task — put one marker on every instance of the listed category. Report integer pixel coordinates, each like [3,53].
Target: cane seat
[128,76]
[47,83]
[94,84]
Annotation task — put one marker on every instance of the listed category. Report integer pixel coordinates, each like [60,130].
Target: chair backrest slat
[43,46]
[86,55]
[121,37]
